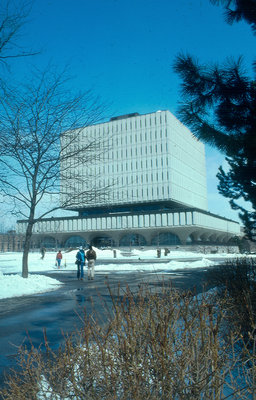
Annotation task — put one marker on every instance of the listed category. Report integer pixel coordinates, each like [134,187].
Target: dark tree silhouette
[237,10]
[219,106]
[220,110]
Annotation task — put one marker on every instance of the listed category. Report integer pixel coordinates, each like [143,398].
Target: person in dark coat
[80,262]
[91,257]
[42,251]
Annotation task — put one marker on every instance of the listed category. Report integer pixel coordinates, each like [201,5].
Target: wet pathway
[24,319]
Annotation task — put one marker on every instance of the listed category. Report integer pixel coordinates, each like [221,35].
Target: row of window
[124,221]
[126,180]
[138,137]
[126,124]
[118,167]
[133,152]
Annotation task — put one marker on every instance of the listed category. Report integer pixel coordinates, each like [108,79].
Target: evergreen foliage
[220,108]
[237,10]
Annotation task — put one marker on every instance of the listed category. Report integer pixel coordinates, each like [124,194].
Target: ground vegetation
[156,345]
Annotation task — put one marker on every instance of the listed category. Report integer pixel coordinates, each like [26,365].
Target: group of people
[81,258]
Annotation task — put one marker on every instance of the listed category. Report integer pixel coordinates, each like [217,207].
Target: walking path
[24,319]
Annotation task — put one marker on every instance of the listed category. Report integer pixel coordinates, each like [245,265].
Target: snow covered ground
[13,285]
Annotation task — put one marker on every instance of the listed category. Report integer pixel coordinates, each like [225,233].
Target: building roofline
[190,209]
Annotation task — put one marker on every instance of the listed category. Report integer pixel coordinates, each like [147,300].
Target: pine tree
[220,108]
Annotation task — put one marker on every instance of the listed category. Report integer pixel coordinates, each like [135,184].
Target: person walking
[91,257]
[58,259]
[42,251]
[80,262]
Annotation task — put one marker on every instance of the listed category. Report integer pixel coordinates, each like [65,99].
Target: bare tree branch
[14,15]
[46,149]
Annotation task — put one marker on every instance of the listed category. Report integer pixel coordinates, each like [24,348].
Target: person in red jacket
[58,258]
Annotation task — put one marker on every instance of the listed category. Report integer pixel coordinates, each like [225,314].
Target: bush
[237,281]
[165,345]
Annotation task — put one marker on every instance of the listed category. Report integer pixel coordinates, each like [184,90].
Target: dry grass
[163,345]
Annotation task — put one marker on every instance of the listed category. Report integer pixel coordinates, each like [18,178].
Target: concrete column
[182,235]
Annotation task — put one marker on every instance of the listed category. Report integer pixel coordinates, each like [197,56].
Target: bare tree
[42,127]
[13,17]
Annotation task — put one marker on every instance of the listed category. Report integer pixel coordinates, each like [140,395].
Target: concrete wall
[194,224]
[151,157]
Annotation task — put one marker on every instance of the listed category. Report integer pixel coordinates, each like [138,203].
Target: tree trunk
[26,250]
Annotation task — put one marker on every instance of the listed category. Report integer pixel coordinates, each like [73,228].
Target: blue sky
[124,51]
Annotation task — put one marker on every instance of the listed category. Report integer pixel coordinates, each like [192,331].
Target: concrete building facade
[11,241]
[154,169]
